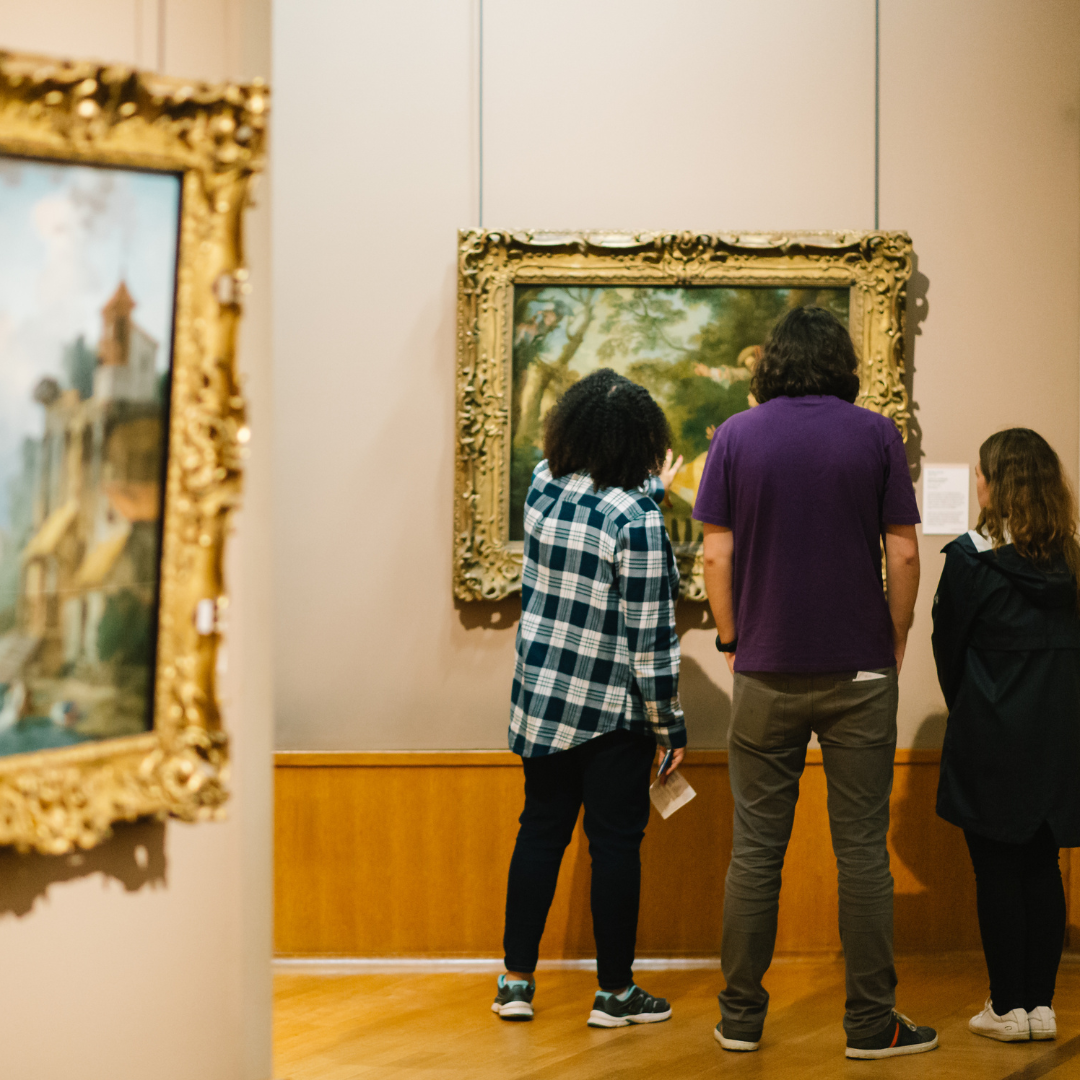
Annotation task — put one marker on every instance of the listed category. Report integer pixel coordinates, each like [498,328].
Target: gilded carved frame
[875,266]
[213,138]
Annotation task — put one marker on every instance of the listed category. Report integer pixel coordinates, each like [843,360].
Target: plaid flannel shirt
[596,645]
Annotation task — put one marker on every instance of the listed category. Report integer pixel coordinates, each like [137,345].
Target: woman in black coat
[1007,647]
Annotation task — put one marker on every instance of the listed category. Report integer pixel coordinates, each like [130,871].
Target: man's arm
[902,582]
[718,549]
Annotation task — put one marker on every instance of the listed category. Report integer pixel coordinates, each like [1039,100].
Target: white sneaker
[739,1045]
[1012,1027]
[1043,1021]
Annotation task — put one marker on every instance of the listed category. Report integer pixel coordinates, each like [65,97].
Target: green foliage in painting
[693,348]
[124,633]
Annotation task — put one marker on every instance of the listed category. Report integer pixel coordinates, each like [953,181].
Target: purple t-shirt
[807,486]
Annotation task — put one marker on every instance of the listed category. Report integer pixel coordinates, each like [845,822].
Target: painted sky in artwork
[68,235]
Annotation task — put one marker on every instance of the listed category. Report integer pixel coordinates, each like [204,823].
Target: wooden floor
[417,1025]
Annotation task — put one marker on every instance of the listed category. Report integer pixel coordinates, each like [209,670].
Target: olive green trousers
[773,716]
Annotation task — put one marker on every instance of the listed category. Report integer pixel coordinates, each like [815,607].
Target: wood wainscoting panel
[392,860]
[406,854]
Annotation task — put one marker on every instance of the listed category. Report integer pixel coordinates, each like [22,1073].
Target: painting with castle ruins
[87,283]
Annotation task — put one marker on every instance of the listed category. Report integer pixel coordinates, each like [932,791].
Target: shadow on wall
[133,856]
[934,905]
[931,733]
[489,614]
[706,705]
[918,308]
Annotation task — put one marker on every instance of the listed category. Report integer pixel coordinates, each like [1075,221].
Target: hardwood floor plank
[417,1025]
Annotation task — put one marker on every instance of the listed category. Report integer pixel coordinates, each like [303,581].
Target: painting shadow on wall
[918,308]
[134,856]
[939,911]
[489,614]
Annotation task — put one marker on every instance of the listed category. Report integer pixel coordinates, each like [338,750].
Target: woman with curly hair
[1007,646]
[596,680]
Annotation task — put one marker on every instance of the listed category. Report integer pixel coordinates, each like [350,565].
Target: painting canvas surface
[87,285]
[693,349]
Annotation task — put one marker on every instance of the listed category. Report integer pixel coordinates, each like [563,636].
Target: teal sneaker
[514,999]
[633,1007]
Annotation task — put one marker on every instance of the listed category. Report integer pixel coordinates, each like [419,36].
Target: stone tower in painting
[89,564]
[126,353]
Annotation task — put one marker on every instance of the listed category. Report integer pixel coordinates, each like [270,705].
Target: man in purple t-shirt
[796,498]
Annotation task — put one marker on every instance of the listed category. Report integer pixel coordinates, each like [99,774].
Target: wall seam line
[877,113]
[481,115]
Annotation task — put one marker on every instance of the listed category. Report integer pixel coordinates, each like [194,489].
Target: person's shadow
[934,905]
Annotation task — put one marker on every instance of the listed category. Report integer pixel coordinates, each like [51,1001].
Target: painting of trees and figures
[87,282]
[694,349]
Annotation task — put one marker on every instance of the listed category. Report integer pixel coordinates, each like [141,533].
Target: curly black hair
[608,427]
[808,352]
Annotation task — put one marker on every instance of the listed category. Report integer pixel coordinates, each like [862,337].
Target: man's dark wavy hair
[808,352]
[608,427]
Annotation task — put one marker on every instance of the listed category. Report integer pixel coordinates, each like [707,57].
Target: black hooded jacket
[1007,647]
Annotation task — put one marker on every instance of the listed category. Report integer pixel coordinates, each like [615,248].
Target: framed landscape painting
[693,348]
[683,315]
[87,289]
[121,437]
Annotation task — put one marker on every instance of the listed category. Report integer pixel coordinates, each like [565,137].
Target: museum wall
[149,955]
[980,162]
[623,113]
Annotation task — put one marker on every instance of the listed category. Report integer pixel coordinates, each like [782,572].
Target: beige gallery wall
[980,162]
[149,956]
[622,113]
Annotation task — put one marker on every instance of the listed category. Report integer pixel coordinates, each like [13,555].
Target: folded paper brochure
[667,798]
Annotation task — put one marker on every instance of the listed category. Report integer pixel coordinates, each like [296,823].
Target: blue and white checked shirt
[596,646]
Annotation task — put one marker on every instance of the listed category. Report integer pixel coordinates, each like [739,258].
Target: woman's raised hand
[669,469]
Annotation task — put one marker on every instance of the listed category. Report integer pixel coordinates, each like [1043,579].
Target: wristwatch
[728,646]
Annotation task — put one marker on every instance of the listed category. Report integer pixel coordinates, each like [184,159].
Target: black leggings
[610,774]
[1021,917]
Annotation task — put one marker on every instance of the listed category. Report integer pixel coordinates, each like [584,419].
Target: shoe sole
[1042,1036]
[600,1019]
[891,1051]
[741,1046]
[1001,1036]
[513,1010]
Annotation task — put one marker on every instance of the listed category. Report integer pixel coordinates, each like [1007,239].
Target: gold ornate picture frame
[516,286]
[57,114]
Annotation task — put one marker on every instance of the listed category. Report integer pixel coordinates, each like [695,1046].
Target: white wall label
[945,499]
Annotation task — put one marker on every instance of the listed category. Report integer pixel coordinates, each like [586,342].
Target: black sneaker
[636,1007]
[899,1036]
[514,999]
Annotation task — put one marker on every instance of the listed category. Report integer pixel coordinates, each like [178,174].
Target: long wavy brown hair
[1031,504]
